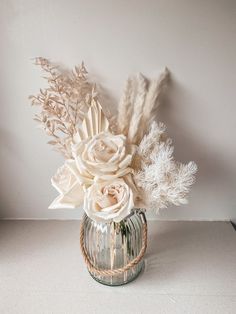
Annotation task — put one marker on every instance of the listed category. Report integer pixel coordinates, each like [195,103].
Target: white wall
[195,39]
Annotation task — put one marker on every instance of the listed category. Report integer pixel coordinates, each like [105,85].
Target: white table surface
[190,268]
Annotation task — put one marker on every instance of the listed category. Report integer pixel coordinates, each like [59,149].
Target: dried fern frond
[149,143]
[163,180]
[63,103]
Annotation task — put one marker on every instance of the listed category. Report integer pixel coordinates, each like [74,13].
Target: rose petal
[116,212]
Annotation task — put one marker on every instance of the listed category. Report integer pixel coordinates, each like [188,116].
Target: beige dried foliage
[63,103]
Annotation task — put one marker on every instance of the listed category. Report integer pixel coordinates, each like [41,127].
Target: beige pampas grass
[138,105]
[125,107]
[152,101]
[137,111]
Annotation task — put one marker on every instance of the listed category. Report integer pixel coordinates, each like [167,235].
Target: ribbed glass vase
[114,251]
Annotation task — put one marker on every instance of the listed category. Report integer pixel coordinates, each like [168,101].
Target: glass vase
[113,251]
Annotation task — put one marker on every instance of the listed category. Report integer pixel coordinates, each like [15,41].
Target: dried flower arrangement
[111,165]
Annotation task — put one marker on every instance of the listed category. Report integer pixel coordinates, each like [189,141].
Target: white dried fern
[163,180]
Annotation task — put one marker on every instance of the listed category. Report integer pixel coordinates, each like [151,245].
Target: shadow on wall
[212,170]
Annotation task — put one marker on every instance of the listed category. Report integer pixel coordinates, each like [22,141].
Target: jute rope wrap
[113,272]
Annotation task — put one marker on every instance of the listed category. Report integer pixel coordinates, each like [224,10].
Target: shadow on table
[174,248]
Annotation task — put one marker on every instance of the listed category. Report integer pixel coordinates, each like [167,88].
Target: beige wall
[195,39]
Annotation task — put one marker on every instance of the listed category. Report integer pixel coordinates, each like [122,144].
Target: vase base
[112,280]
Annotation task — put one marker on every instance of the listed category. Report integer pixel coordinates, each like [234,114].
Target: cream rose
[71,193]
[102,157]
[108,201]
